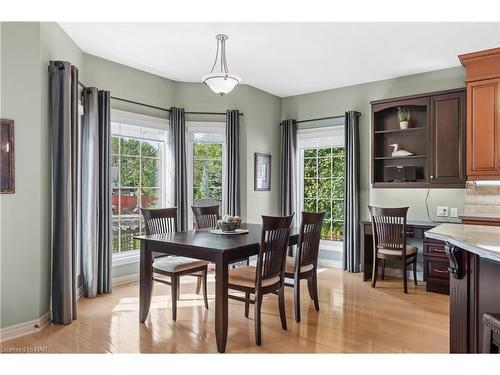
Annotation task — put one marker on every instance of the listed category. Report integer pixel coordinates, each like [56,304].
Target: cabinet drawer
[437,269]
[435,249]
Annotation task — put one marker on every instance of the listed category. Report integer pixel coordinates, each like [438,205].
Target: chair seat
[410,250]
[177,264]
[290,266]
[245,276]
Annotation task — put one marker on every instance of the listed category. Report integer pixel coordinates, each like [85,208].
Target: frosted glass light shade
[221,83]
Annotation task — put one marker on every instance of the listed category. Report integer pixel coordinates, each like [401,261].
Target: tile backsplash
[482,199]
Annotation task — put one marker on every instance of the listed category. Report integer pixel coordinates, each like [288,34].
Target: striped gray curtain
[96,193]
[288,188]
[104,256]
[65,198]
[177,140]
[351,258]
[232,203]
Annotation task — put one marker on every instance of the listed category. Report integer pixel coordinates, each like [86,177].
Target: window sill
[331,245]
[129,257]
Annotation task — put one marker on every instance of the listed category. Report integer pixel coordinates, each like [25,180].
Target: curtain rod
[160,108]
[319,119]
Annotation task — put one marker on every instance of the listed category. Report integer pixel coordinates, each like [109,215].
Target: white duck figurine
[397,152]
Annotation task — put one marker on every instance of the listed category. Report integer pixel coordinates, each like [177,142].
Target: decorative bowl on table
[229,223]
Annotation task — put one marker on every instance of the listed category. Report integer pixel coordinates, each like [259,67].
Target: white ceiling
[287,58]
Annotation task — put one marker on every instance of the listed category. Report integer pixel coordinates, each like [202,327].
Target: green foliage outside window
[324,188]
[135,179]
[207,171]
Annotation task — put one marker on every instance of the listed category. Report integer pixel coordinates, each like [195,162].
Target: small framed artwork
[7,156]
[262,172]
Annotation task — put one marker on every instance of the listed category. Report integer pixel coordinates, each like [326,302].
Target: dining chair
[491,332]
[389,241]
[269,274]
[205,217]
[164,220]
[305,263]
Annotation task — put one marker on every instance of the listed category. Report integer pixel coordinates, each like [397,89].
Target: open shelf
[401,131]
[400,157]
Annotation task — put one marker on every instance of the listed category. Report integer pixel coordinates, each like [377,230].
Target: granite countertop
[482,217]
[478,239]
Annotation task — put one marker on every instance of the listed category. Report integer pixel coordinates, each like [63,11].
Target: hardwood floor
[353,318]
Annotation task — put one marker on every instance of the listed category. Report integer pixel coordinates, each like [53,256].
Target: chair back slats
[273,247]
[389,227]
[160,220]
[206,217]
[309,238]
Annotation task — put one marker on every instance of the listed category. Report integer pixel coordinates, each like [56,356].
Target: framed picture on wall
[7,175]
[262,172]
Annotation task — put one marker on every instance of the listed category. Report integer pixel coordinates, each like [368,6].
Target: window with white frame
[321,177]
[138,175]
[206,154]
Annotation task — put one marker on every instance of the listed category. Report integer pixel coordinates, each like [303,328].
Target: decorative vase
[403,124]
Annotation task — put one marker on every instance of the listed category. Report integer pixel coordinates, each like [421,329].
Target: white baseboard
[26,328]
[127,279]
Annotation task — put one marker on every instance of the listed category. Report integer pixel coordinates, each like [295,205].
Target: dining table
[221,249]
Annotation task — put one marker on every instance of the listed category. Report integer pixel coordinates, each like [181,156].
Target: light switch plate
[453,212]
[442,211]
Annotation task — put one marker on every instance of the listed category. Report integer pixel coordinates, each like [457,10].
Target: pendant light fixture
[221,82]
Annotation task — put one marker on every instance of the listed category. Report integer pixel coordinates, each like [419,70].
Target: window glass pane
[115,228]
[128,201]
[324,187]
[325,167]
[207,171]
[115,145]
[338,210]
[115,170]
[150,197]
[310,167]
[310,205]
[129,171]
[115,202]
[150,170]
[150,149]
[337,230]
[310,153]
[310,188]
[325,205]
[326,230]
[129,227]
[338,167]
[129,146]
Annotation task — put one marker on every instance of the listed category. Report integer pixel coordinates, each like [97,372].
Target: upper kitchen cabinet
[447,139]
[483,114]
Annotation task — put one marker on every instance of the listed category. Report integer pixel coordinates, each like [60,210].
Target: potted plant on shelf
[403,117]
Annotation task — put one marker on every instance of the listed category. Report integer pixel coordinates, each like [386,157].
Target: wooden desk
[436,262]
[220,249]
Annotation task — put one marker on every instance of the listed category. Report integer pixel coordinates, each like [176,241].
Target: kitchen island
[474,254]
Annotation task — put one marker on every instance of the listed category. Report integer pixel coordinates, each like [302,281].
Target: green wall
[26,49]
[337,101]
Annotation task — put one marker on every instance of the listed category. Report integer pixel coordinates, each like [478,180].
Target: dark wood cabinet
[447,139]
[483,114]
[436,138]
[436,265]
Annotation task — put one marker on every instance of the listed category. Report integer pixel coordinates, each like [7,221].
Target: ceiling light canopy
[221,82]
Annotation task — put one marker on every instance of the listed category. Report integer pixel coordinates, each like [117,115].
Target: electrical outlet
[442,211]
[453,212]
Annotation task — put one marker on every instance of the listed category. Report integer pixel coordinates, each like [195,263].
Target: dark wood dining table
[219,249]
